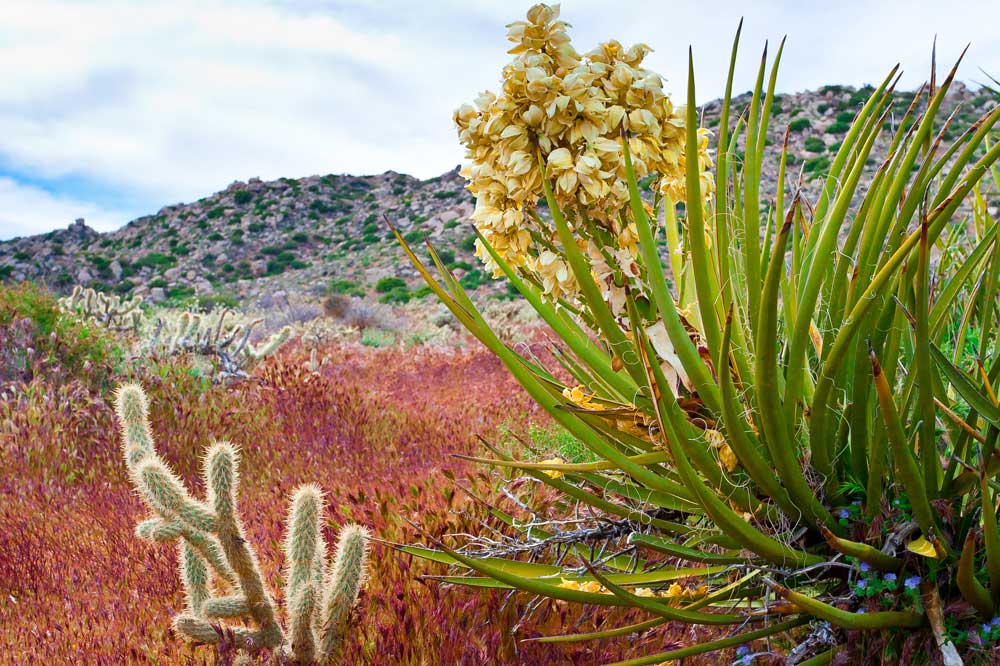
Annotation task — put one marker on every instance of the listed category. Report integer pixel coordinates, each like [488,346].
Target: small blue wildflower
[995,622]
[891,577]
[861,611]
[843,513]
[984,628]
[912,582]
[745,660]
[742,651]
[865,567]
[862,584]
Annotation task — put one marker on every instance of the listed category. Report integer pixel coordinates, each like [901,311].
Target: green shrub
[346,287]
[799,124]
[215,213]
[374,337]
[396,295]
[62,343]
[388,283]
[242,197]
[157,260]
[208,302]
[820,164]
[814,145]
[415,236]
[838,128]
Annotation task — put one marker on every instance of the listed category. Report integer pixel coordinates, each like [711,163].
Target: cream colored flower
[568,111]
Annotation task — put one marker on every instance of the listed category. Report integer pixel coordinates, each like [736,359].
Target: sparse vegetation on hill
[300,234]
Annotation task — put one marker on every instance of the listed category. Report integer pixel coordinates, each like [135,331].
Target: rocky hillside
[329,232]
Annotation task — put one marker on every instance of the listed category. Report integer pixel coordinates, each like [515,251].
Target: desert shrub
[814,144]
[346,286]
[415,236]
[838,128]
[787,423]
[799,124]
[468,244]
[374,337]
[388,283]
[157,260]
[816,164]
[396,295]
[215,300]
[39,339]
[242,197]
[335,305]
[215,213]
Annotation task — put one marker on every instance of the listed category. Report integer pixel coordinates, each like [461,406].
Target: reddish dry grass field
[376,429]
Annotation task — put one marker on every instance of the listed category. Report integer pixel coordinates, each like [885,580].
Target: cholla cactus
[218,566]
[229,347]
[108,310]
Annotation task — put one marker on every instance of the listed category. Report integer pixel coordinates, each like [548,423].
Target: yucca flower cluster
[572,114]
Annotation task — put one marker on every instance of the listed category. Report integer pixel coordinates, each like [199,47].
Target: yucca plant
[802,420]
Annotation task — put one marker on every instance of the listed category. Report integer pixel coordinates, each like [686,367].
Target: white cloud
[170,100]
[28,210]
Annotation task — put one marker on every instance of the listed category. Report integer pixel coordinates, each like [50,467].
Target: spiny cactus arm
[246,336]
[301,614]
[226,607]
[272,344]
[231,336]
[182,324]
[166,493]
[319,573]
[218,325]
[222,478]
[342,587]
[157,529]
[302,538]
[194,575]
[196,628]
[190,338]
[301,551]
[132,409]
[153,342]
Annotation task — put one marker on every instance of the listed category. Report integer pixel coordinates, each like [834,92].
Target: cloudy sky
[110,109]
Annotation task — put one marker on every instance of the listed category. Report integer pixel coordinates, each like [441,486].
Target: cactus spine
[319,596]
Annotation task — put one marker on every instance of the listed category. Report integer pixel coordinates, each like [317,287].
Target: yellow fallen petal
[553,473]
[728,458]
[817,338]
[923,547]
